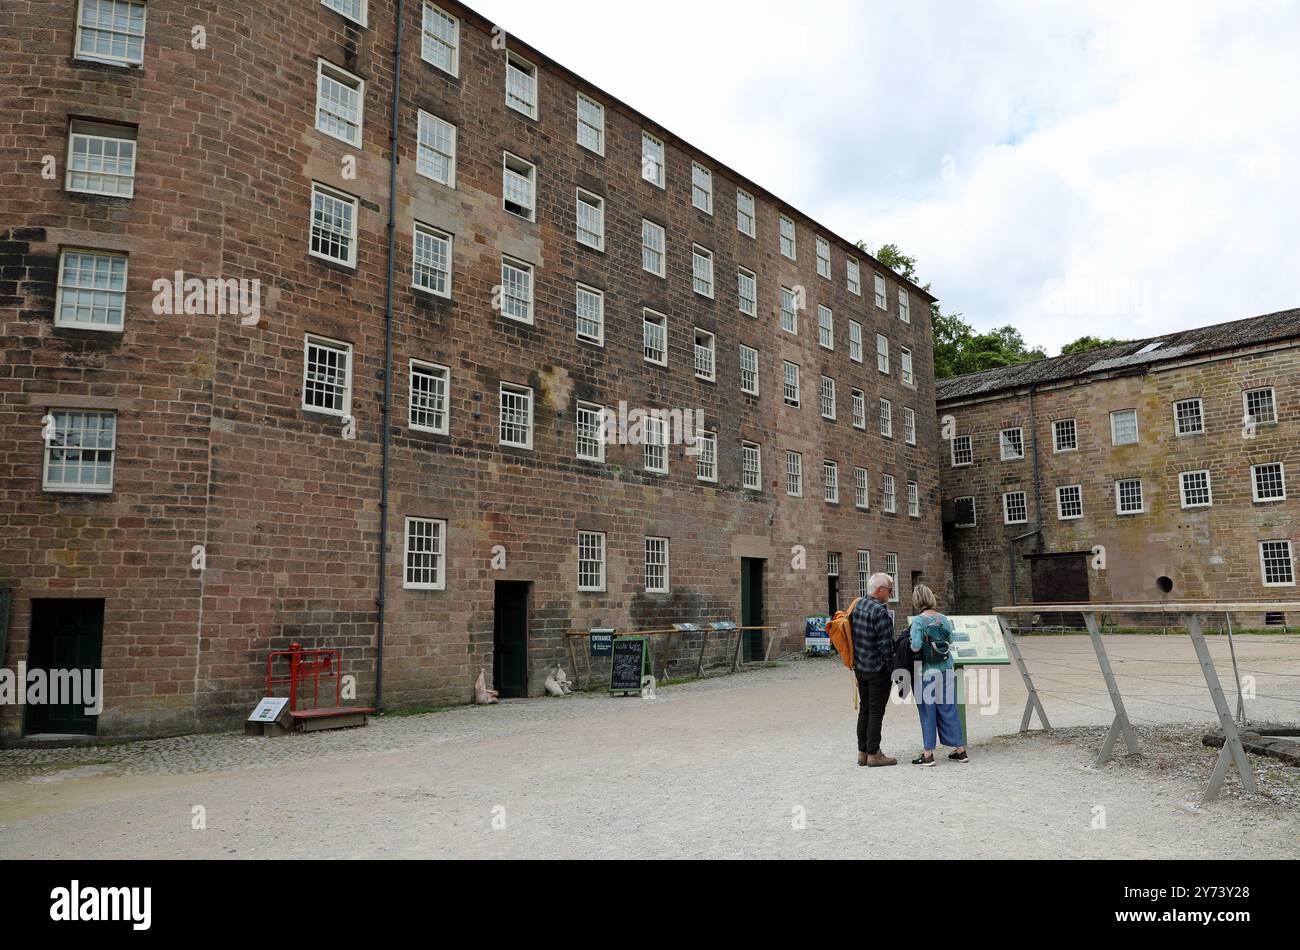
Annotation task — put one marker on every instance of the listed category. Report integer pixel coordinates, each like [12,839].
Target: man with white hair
[873,661]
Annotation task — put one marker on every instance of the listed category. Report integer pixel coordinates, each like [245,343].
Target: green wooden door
[751,606]
[510,654]
[65,635]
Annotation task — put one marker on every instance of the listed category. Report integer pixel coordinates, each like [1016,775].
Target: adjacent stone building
[195,474]
[1160,470]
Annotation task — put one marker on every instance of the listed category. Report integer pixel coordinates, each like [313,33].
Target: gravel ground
[756,765]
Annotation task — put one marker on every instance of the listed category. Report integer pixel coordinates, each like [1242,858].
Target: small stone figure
[557,684]
[482,695]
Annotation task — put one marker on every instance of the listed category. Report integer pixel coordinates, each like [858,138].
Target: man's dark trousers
[874,690]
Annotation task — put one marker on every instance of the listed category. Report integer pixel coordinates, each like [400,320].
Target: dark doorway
[751,606]
[66,635]
[832,595]
[1060,579]
[510,643]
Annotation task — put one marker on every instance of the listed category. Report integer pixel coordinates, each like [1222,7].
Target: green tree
[1086,343]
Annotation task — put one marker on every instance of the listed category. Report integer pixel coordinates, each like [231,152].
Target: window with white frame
[855,341]
[652,160]
[79,452]
[425,558]
[862,489]
[788,247]
[882,353]
[706,463]
[746,215]
[882,299]
[327,377]
[516,416]
[891,568]
[864,572]
[1269,482]
[702,188]
[1277,559]
[591,220]
[747,291]
[112,31]
[828,398]
[909,425]
[1065,436]
[1015,507]
[92,290]
[1124,427]
[1128,497]
[823,258]
[519,187]
[354,10]
[1013,445]
[833,564]
[791,379]
[888,495]
[748,370]
[591,562]
[340,102]
[826,327]
[431,260]
[653,241]
[517,290]
[913,500]
[1189,417]
[751,466]
[909,374]
[1196,489]
[591,432]
[963,451]
[440,39]
[654,337]
[101,159]
[1069,502]
[855,277]
[966,514]
[657,579]
[859,400]
[1261,407]
[656,446]
[333,226]
[430,384]
[794,474]
[436,153]
[904,306]
[706,356]
[521,85]
[886,418]
[789,311]
[591,124]
[702,271]
[591,315]
[831,482]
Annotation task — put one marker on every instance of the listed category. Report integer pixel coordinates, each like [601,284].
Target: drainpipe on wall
[1038,503]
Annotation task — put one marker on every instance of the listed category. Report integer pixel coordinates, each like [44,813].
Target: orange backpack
[841,633]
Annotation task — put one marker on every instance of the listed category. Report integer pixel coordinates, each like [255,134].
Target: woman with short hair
[936,699]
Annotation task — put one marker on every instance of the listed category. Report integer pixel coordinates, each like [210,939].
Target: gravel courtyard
[760,765]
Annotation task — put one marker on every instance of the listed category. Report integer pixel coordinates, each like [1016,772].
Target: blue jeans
[936,702]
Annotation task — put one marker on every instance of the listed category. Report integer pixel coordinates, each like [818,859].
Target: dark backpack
[936,646]
[905,660]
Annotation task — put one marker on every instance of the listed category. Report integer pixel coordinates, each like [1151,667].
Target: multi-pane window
[591,432]
[888,495]
[891,568]
[747,291]
[789,311]
[521,85]
[656,446]
[1065,436]
[1124,427]
[861,489]
[702,188]
[828,398]
[517,290]
[702,270]
[333,226]
[833,564]
[1189,417]
[1013,445]
[966,514]
[519,187]
[425,554]
[859,399]
[855,341]
[591,220]
[654,337]
[440,39]
[706,356]
[831,482]
[1015,507]
[794,474]
[653,240]
[1269,481]
[751,467]
[913,500]
[1278,562]
[431,260]
[904,306]
[791,379]
[963,451]
[1261,407]
[882,299]
[652,159]
[855,278]
[79,452]
[1196,490]
[591,315]
[746,216]
[591,562]
[826,327]
[327,377]
[1128,497]
[787,238]
[823,258]
[340,99]
[909,375]
[909,425]
[886,418]
[516,416]
[706,463]
[591,124]
[92,290]
[882,353]
[864,572]
[1069,502]
[428,408]
[436,154]
[656,566]
[748,370]
[101,159]
[113,30]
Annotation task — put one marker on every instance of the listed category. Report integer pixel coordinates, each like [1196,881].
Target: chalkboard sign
[631,665]
[602,642]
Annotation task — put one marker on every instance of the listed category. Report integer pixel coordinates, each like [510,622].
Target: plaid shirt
[873,637]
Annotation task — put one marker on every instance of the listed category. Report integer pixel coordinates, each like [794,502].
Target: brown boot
[863,760]
[880,761]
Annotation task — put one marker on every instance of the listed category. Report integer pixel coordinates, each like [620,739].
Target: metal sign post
[1232,751]
[1033,702]
[1121,725]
